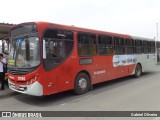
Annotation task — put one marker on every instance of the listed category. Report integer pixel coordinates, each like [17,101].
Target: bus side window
[138,46]
[129,46]
[152,47]
[86,44]
[145,47]
[119,45]
[59,45]
[105,45]
[52,49]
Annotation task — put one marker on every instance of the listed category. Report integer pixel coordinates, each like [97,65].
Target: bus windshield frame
[25,52]
[25,47]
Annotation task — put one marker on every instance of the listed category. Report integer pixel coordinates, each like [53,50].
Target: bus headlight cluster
[35,78]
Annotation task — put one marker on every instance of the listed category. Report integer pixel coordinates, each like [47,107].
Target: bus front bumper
[34,89]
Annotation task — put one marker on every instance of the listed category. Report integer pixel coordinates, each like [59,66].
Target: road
[125,94]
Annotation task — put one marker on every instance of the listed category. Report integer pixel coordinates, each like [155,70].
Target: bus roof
[142,38]
[80,29]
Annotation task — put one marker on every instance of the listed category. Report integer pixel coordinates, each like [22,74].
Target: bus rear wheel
[138,71]
[81,84]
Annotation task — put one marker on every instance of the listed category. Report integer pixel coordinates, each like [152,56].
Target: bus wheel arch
[82,82]
[138,70]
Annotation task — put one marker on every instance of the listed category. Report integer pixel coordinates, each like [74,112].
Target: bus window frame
[117,46]
[94,45]
[105,45]
[45,51]
[138,44]
[129,46]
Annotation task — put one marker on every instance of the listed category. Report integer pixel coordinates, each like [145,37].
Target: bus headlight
[35,78]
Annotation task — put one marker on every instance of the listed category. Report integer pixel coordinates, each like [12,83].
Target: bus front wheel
[82,83]
[138,71]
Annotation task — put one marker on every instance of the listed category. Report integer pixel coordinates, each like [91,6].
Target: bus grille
[21,71]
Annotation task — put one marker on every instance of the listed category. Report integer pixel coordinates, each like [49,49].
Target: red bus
[47,58]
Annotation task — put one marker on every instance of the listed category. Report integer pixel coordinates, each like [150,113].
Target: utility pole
[157,44]
[157,31]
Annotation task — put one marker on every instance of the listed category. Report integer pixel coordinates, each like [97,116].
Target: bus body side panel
[107,70]
[61,78]
[147,62]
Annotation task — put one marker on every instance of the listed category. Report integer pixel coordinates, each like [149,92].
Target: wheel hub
[82,83]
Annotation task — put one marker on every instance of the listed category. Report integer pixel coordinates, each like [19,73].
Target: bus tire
[138,71]
[81,84]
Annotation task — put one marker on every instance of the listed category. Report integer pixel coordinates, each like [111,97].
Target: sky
[134,17]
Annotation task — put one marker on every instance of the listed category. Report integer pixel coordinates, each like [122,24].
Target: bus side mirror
[44,49]
[4,48]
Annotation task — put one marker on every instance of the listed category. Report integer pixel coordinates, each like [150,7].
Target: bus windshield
[25,52]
